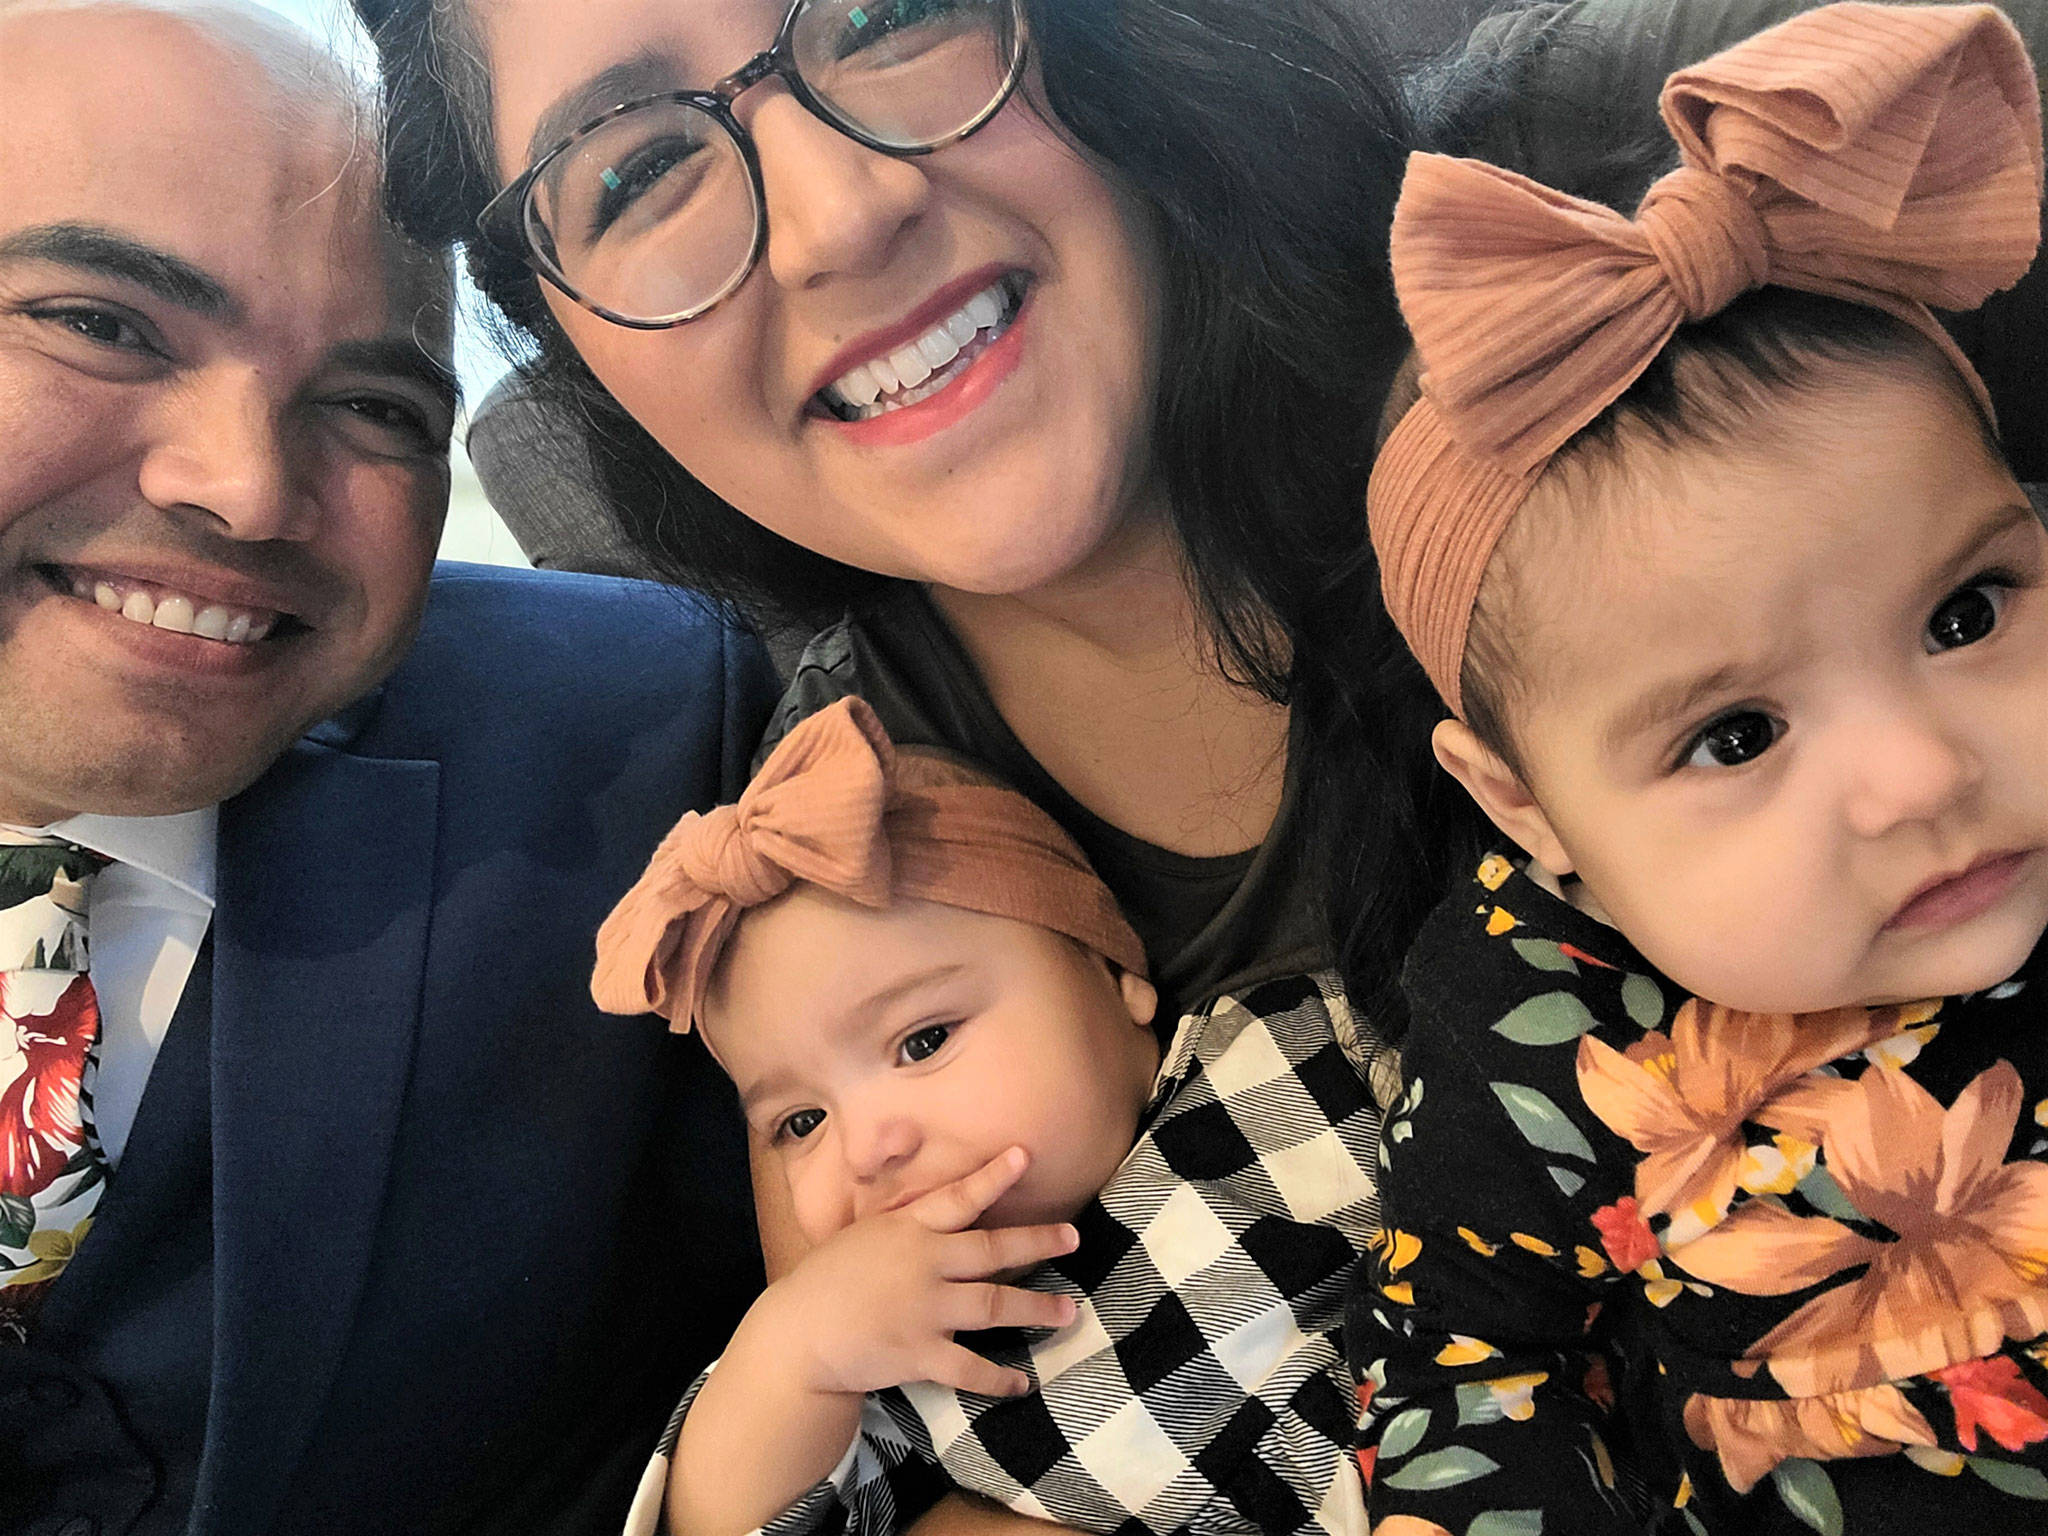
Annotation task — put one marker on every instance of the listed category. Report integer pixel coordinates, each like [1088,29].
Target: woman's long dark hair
[1267,140]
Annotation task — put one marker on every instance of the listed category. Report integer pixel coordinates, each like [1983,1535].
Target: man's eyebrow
[404,359]
[645,74]
[93,249]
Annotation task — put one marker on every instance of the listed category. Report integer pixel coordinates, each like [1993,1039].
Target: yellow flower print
[1932,1458]
[1591,1264]
[1493,874]
[1478,1244]
[1397,1250]
[1603,1462]
[1903,1049]
[1776,1169]
[2041,1114]
[1502,921]
[1515,1396]
[1661,1290]
[1535,1245]
[53,1250]
[1464,1350]
[1684,1491]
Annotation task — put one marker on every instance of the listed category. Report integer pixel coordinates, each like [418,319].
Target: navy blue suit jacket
[470,1237]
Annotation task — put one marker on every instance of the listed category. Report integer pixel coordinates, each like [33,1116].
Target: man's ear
[1500,793]
[1141,998]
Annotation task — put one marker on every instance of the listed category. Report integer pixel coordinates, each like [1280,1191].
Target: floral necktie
[52,1170]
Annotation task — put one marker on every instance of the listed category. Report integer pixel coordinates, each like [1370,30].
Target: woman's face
[1014,474]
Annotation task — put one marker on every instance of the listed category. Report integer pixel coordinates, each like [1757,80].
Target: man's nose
[225,450]
[834,207]
[1912,766]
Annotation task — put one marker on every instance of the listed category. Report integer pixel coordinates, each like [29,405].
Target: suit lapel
[326,884]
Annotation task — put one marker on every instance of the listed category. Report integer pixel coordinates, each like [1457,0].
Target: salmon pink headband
[837,807]
[1886,155]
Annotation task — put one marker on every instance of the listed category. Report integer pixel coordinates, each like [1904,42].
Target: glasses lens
[652,216]
[909,74]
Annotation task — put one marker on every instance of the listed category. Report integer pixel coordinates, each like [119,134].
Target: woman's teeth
[176,612]
[926,366]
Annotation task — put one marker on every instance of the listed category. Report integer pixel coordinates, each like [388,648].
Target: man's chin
[137,777]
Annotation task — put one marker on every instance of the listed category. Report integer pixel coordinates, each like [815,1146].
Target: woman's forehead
[554,67]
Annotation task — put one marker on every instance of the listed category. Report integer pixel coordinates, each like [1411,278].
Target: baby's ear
[1500,793]
[1141,998]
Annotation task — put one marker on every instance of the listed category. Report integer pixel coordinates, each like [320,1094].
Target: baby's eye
[923,1044]
[801,1124]
[1967,616]
[1734,740]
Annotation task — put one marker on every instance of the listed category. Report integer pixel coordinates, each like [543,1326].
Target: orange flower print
[1965,1274]
[1368,1458]
[1993,1396]
[1627,1238]
[1752,1435]
[1682,1099]
[1408,1525]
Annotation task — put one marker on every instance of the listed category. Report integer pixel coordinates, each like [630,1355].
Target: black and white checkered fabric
[1202,1387]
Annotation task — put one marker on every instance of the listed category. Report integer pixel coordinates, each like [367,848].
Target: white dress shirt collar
[178,850]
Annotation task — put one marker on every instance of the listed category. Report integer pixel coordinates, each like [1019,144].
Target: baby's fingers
[952,1207]
[956,1366]
[971,1308]
[976,1253]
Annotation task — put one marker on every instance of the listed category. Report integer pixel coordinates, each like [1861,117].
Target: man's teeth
[906,375]
[180,614]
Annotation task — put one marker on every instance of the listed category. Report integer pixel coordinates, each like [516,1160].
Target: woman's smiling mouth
[964,331]
[912,373]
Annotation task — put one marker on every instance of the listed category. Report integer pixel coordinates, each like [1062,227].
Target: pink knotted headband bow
[838,807]
[1887,155]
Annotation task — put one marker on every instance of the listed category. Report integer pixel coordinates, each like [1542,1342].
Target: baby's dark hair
[1714,385]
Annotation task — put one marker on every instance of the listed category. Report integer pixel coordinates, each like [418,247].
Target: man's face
[223,450]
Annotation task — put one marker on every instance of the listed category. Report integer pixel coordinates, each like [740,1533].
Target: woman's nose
[224,451]
[1914,768]
[834,207]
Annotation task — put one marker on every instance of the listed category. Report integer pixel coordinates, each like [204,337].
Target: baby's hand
[877,1304]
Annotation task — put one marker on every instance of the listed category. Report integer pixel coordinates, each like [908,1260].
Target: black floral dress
[1651,1264]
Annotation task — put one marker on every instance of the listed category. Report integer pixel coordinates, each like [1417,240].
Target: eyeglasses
[654,212]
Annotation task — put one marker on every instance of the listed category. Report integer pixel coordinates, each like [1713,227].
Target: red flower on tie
[42,1068]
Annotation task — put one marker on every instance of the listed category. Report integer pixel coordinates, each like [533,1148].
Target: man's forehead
[235,144]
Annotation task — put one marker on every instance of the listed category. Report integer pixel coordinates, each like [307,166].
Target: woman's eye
[1733,740]
[1967,616]
[801,1124]
[923,1044]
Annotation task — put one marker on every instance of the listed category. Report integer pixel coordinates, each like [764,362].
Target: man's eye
[801,1124]
[1967,616]
[385,425]
[101,326]
[924,1043]
[1733,740]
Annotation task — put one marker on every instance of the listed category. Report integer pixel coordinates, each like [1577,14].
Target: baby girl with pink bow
[1046,1261]
[1714,1198]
